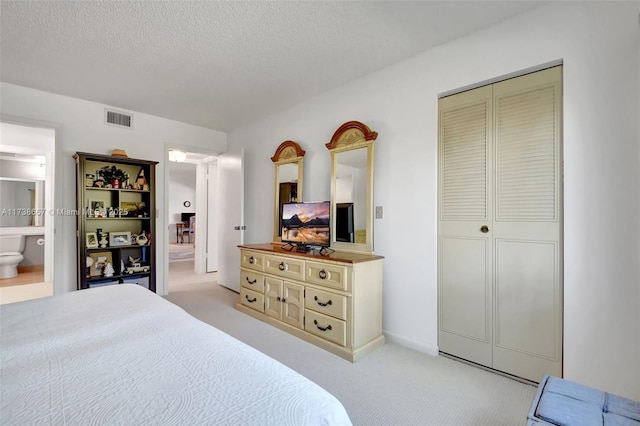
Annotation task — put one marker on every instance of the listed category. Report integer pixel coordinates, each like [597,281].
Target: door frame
[51,257]
[162,288]
[561,202]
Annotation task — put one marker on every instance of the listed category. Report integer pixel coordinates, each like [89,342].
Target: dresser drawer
[252,281]
[326,303]
[328,275]
[252,299]
[252,260]
[326,327]
[284,267]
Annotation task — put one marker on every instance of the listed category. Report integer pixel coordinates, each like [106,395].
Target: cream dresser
[333,301]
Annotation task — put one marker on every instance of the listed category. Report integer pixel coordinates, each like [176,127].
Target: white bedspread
[123,355]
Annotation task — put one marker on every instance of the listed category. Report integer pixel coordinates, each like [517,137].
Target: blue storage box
[563,402]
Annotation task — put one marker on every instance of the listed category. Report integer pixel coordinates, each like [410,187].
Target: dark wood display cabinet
[116,207]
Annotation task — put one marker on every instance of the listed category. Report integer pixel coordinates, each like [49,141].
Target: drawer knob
[251,260]
[251,282]
[320,328]
[250,300]
[322,274]
[320,303]
[281,266]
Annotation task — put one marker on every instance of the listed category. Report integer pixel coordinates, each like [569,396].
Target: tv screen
[344,222]
[184,217]
[306,223]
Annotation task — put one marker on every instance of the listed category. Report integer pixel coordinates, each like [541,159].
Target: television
[184,217]
[344,222]
[306,225]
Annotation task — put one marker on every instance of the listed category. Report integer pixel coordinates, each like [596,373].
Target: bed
[121,354]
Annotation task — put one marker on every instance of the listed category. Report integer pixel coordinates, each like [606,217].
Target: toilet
[11,248]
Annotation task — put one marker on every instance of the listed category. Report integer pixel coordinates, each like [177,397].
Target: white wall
[80,127]
[182,187]
[598,43]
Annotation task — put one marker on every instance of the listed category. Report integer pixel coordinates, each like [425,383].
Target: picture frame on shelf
[100,260]
[132,208]
[96,208]
[91,240]
[119,238]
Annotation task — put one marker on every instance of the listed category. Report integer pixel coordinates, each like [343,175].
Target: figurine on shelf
[103,240]
[141,239]
[141,180]
[108,270]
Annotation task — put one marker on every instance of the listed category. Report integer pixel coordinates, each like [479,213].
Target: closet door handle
[484,229]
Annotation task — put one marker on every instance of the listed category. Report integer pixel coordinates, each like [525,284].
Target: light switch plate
[378,212]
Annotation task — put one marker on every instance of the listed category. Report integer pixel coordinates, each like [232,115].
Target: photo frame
[119,238]
[94,206]
[91,240]
[132,208]
[100,260]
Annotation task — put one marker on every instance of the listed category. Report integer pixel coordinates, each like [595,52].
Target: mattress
[123,355]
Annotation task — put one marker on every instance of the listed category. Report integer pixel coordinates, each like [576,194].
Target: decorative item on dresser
[113,208]
[331,300]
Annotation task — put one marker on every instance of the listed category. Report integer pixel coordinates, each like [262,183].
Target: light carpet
[393,385]
[181,251]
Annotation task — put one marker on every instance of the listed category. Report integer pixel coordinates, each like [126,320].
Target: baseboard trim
[31,268]
[411,344]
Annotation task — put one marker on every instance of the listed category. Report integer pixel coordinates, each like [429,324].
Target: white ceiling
[221,64]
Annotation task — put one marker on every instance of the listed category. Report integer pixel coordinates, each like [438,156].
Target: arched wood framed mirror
[351,149]
[288,161]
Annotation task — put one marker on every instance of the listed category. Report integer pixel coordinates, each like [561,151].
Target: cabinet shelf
[89,199]
[119,276]
[117,247]
[118,218]
[96,188]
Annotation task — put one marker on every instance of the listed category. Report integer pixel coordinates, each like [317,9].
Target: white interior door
[527,225]
[465,256]
[202,224]
[212,217]
[230,218]
[499,230]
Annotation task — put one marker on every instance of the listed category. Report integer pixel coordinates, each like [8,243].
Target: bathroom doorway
[26,194]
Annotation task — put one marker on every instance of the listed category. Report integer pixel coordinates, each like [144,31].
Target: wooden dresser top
[336,256]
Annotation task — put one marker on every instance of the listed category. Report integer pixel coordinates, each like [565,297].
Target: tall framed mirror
[288,162]
[351,149]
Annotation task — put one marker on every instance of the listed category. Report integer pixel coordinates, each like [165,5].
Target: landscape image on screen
[306,223]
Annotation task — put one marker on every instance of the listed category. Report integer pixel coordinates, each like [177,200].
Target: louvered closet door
[516,324]
[527,225]
[465,273]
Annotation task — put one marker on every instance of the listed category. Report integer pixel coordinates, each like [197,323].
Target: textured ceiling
[221,64]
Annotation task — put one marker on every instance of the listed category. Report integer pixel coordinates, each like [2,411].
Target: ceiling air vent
[119,119]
